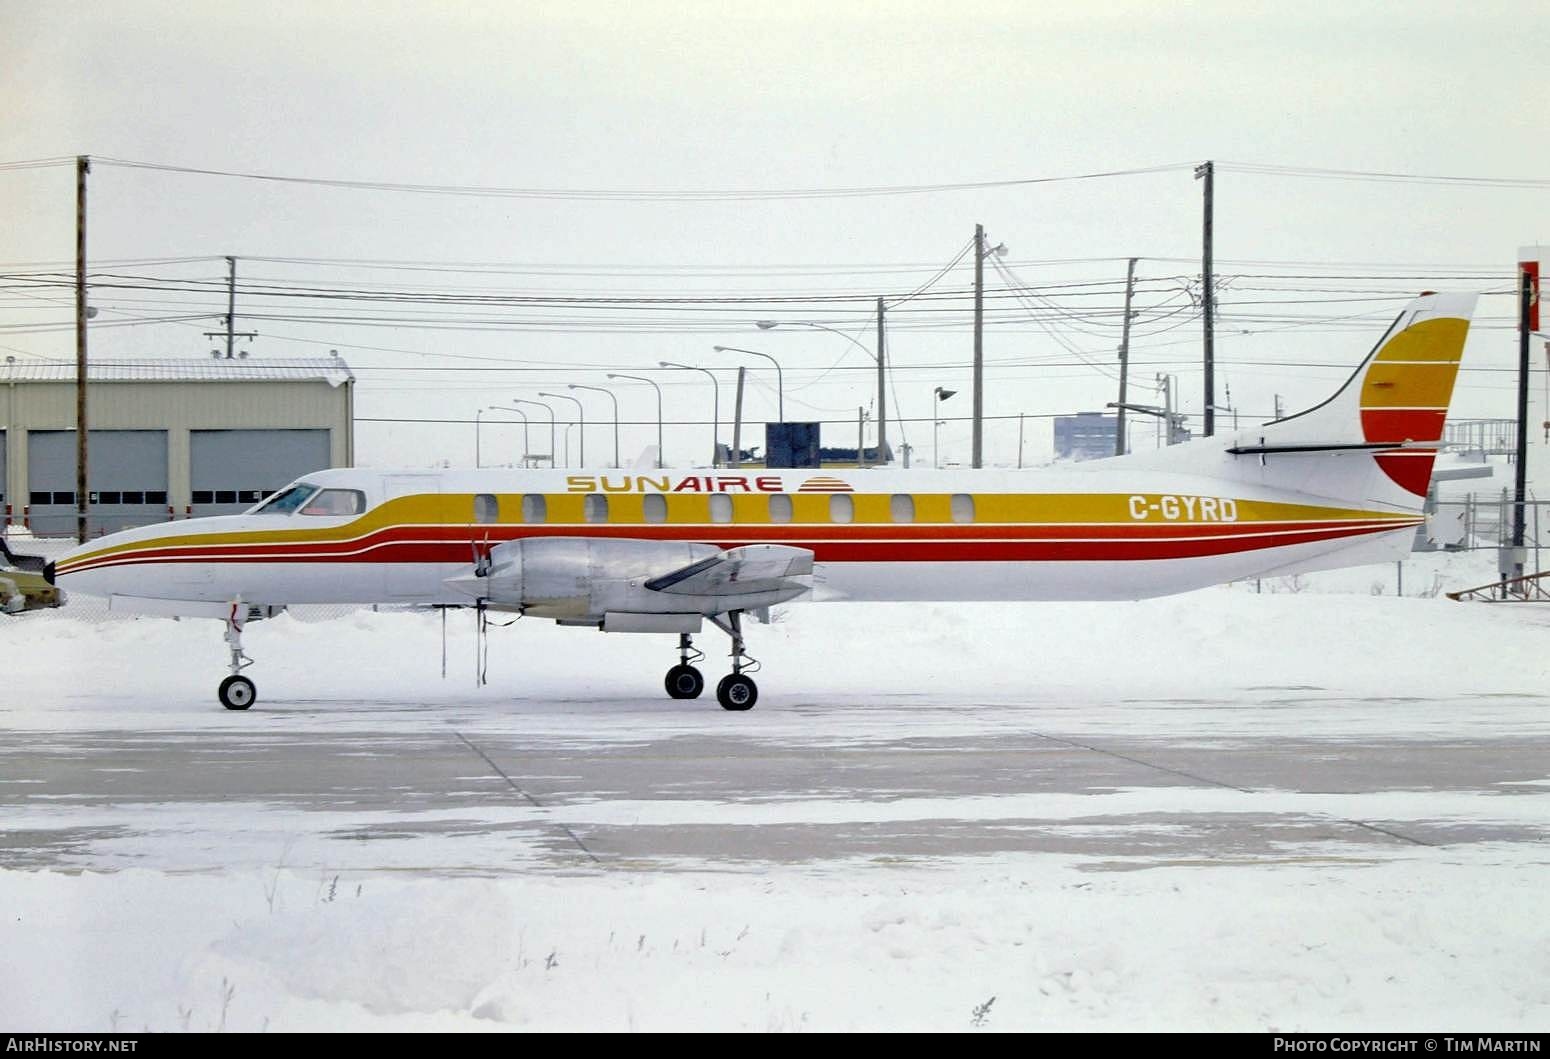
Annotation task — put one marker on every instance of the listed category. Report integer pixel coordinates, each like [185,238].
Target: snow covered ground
[1308,808]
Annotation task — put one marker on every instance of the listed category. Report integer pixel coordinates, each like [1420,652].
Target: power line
[636,195]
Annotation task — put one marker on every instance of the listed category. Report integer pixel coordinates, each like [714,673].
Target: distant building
[1085,436]
[169,438]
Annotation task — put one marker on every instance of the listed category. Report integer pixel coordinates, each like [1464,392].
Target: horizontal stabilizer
[1367,446]
[752,568]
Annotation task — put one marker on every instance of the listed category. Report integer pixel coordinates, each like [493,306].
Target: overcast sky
[653,97]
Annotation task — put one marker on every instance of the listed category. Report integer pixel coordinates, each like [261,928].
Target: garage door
[126,476]
[234,469]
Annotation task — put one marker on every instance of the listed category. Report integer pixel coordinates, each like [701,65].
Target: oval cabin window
[655,507]
[902,508]
[486,508]
[963,507]
[841,508]
[535,508]
[595,508]
[780,507]
[720,507]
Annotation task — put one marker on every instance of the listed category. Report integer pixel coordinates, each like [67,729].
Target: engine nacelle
[584,577]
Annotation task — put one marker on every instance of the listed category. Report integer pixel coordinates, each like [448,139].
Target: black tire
[737,692]
[237,693]
[684,682]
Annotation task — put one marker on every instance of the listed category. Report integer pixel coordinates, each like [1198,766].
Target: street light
[615,400]
[879,357]
[654,386]
[546,408]
[940,394]
[477,415]
[581,414]
[780,385]
[715,419]
[518,411]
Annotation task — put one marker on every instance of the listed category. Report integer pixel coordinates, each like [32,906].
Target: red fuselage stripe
[451,545]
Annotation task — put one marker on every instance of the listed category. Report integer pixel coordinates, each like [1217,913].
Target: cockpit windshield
[287,500]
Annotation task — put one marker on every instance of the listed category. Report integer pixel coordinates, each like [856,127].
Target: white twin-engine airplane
[1341,484]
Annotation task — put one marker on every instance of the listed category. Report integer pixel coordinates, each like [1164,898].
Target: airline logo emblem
[825,484]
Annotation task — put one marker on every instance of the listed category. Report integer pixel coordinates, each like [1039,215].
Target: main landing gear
[737,691]
[237,692]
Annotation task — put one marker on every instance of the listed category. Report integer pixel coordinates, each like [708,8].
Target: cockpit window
[336,502]
[286,500]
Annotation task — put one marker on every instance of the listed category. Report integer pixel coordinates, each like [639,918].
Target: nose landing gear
[237,692]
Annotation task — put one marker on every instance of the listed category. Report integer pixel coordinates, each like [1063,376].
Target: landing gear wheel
[684,682]
[237,693]
[737,692]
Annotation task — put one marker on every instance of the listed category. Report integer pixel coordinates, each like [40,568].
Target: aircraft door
[414,500]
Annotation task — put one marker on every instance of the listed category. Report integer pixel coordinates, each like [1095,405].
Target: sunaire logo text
[642,483]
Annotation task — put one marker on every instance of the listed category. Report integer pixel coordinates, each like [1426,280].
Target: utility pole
[1165,383]
[1124,359]
[1526,279]
[737,420]
[882,395]
[82,167]
[231,310]
[979,345]
[860,437]
[1207,172]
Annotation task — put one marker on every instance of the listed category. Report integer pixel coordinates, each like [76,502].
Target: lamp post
[478,462]
[518,411]
[615,400]
[880,357]
[546,408]
[581,415]
[654,386]
[780,384]
[938,395]
[715,420]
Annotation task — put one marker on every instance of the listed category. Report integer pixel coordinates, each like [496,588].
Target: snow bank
[1401,944]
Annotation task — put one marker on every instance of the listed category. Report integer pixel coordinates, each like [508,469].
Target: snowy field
[1314,808]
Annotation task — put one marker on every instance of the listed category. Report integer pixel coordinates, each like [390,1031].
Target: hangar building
[169,438]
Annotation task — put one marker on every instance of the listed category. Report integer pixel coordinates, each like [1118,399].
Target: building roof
[332,370]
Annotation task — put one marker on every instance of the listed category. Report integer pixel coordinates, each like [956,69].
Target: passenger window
[963,507]
[902,508]
[841,508]
[486,508]
[655,507]
[332,502]
[720,507]
[595,508]
[535,508]
[780,507]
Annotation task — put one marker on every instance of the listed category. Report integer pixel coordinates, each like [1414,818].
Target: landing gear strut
[683,680]
[737,691]
[237,692]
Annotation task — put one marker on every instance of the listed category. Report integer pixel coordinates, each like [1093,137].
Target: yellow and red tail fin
[1376,439]
[1405,392]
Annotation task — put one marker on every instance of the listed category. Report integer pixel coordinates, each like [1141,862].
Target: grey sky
[658,96]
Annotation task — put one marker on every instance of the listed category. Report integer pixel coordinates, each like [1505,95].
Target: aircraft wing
[751,568]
